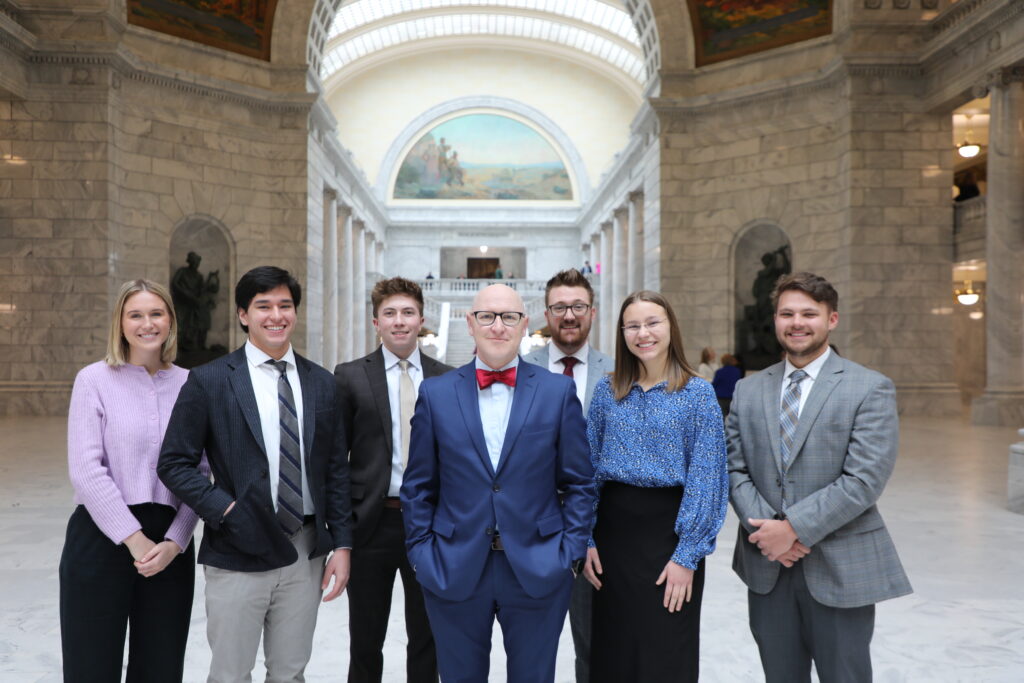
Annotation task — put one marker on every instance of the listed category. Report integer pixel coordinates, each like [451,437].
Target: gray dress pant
[792,629]
[281,605]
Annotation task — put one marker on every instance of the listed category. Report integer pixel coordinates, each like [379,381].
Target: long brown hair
[627,366]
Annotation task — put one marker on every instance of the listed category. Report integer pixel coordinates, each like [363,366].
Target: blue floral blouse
[657,438]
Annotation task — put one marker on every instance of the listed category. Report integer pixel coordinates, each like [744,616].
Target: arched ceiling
[372,30]
[618,34]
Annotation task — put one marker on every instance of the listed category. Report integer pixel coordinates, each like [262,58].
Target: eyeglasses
[634,329]
[578,309]
[508,318]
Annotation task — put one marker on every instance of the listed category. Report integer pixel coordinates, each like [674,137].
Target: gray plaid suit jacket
[843,453]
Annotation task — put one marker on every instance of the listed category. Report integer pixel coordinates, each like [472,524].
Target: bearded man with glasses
[570,312]
[497,500]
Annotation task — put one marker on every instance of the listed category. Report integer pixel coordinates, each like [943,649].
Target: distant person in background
[498,273]
[128,556]
[708,364]
[430,275]
[587,270]
[725,380]
[968,186]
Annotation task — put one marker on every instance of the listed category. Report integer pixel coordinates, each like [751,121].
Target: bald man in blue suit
[492,445]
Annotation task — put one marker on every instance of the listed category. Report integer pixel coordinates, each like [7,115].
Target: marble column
[1003,400]
[636,241]
[346,269]
[607,308]
[620,255]
[329,339]
[359,322]
[379,258]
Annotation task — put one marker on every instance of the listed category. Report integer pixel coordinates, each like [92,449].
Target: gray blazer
[843,452]
[598,365]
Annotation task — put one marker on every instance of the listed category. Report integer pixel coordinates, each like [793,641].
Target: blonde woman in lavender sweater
[128,556]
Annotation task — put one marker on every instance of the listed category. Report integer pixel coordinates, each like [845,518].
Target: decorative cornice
[123,66]
[956,14]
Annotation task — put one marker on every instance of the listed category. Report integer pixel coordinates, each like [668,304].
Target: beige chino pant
[281,605]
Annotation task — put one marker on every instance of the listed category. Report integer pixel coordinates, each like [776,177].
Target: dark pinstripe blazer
[216,412]
[843,453]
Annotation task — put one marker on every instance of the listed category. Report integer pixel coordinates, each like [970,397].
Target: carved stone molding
[872,4]
[901,4]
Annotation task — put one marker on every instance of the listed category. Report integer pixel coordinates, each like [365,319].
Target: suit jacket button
[496,488]
[489,531]
[778,482]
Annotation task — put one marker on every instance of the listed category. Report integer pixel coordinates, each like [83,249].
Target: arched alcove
[761,253]
[203,291]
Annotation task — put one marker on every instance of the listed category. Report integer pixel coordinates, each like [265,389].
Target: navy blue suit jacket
[453,498]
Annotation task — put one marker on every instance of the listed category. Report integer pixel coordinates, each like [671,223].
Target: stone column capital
[636,196]
[1000,78]
[344,211]
[620,211]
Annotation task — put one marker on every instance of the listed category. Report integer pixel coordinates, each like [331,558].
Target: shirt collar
[812,369]
[556,354]
[480,365]
[258,357]
[391,360]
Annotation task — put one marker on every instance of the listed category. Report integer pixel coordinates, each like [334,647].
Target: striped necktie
[790,413]
[289,486]
[569,362]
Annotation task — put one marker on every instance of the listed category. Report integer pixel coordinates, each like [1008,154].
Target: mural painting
[483,156]
[724,29]
[242,26]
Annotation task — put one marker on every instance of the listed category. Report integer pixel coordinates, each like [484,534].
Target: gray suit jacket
[598,365]
[843,452]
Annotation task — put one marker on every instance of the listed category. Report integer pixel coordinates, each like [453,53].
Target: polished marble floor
[945,505]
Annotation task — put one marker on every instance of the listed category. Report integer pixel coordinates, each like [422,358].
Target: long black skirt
[635,638]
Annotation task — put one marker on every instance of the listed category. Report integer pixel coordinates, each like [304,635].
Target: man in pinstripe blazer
[812,443]
[569,311]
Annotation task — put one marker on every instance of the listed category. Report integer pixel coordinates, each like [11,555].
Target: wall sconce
[968,294]
[968,149]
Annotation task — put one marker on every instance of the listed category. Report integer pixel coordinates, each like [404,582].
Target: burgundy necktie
[485,378]
[569,362]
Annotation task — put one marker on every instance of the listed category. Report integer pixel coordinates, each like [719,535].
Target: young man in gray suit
[812,442]
[569,300]
[377,394]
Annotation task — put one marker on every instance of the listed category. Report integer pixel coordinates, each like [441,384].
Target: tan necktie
[406,405]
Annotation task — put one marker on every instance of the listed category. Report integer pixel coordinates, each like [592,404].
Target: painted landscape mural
[730,28]
[483,156]
[242,26]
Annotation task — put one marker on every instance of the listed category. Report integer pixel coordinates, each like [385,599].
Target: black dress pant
[102,593]
[635,638]
[370,586]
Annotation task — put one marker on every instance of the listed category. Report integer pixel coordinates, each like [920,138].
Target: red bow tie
[485,378]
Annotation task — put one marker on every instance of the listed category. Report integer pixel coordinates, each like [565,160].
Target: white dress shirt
[495,408]
[393,372]
[579,372]
[264,385]
[812,369]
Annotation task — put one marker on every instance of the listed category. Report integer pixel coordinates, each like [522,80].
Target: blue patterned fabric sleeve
[706,494]
[599,404]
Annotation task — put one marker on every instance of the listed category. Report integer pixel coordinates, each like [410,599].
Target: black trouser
[101,592]
[370,585]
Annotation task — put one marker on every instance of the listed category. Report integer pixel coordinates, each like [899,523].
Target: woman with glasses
[128,557]
[658,448]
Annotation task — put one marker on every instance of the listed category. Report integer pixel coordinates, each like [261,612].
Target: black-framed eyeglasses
[578,309]
[508,318]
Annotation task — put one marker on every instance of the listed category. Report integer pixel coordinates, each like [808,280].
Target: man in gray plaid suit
[812,442]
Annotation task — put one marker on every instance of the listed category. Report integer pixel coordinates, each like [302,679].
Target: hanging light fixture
[968,149]
[969,294]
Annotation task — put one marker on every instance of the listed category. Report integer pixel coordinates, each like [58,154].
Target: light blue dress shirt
[495,408]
